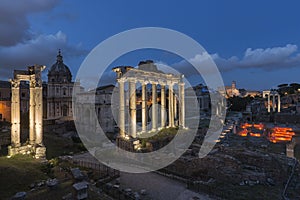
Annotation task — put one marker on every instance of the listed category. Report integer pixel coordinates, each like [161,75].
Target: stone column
[163,105]
[182,105]
[269,106]
[154,107]
[32,112]
[39,115]
[121,108]
[273,103]
[171,110]
[279,104]
[144,108]
[132,97]
[290,149]
[175,106]
[15,113]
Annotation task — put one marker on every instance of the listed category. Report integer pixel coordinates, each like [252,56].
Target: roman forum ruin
[35,145]
[147,73]
[269,94]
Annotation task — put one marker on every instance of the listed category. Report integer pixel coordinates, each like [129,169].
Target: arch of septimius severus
[147,73]
[35,145]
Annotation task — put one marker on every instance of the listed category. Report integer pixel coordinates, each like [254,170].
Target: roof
[59,66]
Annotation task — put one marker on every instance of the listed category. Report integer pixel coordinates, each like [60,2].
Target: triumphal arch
[35,144]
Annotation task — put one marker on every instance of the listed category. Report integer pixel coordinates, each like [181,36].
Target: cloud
[14,25]
[268,59]
[20,46]
[40,50]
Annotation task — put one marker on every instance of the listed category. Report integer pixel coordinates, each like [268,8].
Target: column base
[39,152]
[153,130]
[128,144]
[183,127]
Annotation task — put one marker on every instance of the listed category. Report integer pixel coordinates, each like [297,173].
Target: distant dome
[59,72]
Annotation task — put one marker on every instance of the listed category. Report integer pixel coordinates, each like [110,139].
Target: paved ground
[159,187]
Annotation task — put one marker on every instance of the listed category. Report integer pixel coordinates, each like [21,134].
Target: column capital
[154,82]
[132,80]
[121,80]
[15,83]
[169,83]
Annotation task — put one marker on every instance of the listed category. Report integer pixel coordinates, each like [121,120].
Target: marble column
[182,105]
[273,103]
[32,112]
[269,106]
[132,97]
[171,110]
[39,115]
[144,108]
[15,113]
[279,104]
[122,108]
[163,105]
[175,106]
[154,107]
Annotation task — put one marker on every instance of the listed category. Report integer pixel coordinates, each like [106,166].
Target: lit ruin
[147,73]
[35,145]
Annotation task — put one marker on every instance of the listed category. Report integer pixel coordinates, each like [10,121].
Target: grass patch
[57,146]
[17,173]
[162,134]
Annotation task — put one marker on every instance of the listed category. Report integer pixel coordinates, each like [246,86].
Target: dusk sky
[252,42]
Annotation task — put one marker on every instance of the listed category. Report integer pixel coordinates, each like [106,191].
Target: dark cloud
[40,50]
[14,25]
[20,47]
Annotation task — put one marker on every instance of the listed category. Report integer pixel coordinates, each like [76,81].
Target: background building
[5,99]
[59,90]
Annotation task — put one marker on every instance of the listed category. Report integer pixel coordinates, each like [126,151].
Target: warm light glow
[277,134]
[243,133]
[281,134]
[127,137]
[255,134]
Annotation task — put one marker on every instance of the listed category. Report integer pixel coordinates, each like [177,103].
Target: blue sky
[253,42]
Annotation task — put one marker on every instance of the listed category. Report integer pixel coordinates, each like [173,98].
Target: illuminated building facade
[59,90]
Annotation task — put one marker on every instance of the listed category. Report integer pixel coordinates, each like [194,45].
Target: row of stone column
[35,115]
[172,109]
[274,102]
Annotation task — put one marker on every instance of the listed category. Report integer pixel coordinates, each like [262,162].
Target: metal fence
[99,167]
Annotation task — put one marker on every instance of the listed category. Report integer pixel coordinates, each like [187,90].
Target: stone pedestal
[37,151]
[125,144]
[40,152]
